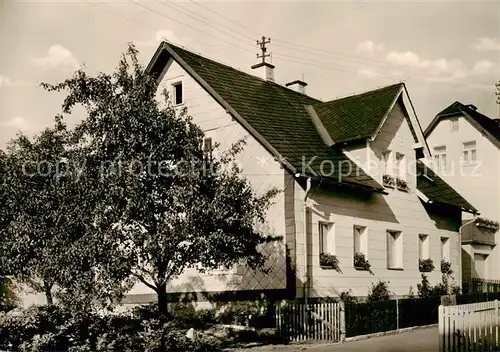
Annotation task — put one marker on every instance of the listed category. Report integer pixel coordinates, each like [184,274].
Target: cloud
[483,67]
[366,72]
[369,47]
[5,81]
[453,68]
[18,123]
[58,57]
[487,44]
[161,35]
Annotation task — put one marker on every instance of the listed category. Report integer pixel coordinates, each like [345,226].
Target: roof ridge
[363,93]
[174,46]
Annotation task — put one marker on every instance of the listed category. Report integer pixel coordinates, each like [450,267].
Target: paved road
[421,340]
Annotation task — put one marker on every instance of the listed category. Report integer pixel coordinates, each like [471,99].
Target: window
[207,145]
[480,265]
[454,125]
[394,250]
[469,152]
[423,247]
[360,240]
[399,166]
[177,93]
[387,157]
[445,248]
[440,157]
[326,238]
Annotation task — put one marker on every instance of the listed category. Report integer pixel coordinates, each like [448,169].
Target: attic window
[177,93]
[454,124]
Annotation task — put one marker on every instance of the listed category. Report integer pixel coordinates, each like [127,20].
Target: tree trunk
[161,292]
[48,293]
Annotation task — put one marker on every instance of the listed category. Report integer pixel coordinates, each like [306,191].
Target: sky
[443,50]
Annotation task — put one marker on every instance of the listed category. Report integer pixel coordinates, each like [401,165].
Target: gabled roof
[478,120]
[275,115]
[358,116]
[438,191]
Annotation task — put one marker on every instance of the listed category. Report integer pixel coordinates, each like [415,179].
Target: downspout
[460,247]
[306,244]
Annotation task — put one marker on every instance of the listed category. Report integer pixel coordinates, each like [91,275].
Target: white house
[329,159]
[466,148]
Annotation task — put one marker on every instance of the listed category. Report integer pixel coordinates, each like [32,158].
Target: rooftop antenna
[263,48]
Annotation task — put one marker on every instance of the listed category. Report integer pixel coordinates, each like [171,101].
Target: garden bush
[51,328]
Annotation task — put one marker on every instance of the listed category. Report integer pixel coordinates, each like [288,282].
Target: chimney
[264,70]
[297,85]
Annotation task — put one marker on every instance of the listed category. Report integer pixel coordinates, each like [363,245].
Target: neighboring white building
[329,160]
[466,149]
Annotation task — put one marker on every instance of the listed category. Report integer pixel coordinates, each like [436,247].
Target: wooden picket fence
[313,322]
[469,327]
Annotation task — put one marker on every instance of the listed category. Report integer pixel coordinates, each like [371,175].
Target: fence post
[496,322]
[441,328]
[342,321]
[397,314]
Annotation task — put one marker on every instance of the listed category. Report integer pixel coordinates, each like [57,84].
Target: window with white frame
[326,238]
[400,166]
[445,248]
[469,152]
[440,157]
[423,247]
[177,93]
[454,124]
[360,240]
[394,249]
[387,158]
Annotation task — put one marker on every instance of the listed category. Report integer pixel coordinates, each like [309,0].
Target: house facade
[466,148]
[356,187]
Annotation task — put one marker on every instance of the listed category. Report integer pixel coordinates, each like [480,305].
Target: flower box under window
[401,184]
[328,261]
[388,181]
[425,265]
[360,262]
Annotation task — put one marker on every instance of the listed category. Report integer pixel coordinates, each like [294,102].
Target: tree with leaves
[168,203]
[50,240]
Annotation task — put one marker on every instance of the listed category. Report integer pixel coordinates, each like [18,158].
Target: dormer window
[177,93]
[387,157]
[400,166]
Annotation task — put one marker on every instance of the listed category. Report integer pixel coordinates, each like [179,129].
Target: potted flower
[425,265]
[487,223]
[360,262]
[388,180]
[401,184]
[328,261]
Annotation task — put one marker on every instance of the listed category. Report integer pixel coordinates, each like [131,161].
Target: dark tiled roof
[278,114]
[357,116]
[437,190]
[490,125]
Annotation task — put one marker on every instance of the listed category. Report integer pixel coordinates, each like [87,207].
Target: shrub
[50,328]
[379,292]
[347,298]
[360,261]
[425,265]
[446,267]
